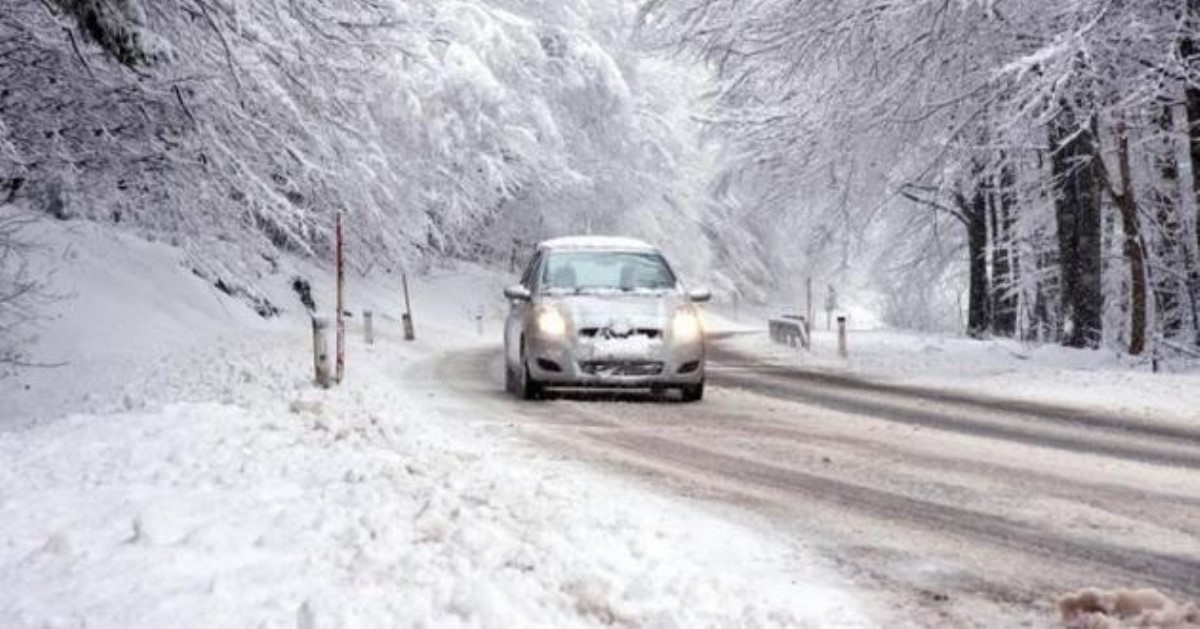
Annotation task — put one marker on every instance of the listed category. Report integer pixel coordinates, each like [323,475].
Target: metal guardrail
[790,330]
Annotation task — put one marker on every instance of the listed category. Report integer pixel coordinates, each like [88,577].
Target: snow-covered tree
[874,126]
[463,128]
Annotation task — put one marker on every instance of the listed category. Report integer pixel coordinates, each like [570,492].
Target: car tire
[692,392]
[527,387]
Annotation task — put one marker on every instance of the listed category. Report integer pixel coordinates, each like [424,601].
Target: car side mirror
[518,293]
[699,295]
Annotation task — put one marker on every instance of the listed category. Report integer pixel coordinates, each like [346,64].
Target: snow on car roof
[596,242]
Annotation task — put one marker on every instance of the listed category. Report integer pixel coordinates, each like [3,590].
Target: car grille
[622,367]
[606,333]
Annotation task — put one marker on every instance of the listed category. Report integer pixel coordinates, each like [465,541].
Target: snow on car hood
[638,310]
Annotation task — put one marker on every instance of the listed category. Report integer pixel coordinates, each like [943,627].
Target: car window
[592,271]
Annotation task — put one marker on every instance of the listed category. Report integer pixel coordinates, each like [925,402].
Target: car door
[518,312]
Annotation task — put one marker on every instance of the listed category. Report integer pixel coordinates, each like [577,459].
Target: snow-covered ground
[181,470]
[1100,380]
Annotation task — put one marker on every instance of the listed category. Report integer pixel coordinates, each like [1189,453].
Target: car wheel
[692,392]
[528,388]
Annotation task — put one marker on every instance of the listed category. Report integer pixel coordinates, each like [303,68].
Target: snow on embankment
[1001,368]
[119,304]
[218,488]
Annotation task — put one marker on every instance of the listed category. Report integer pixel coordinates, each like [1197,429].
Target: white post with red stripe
[339,253]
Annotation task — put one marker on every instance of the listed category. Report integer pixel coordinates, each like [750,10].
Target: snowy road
[954,510]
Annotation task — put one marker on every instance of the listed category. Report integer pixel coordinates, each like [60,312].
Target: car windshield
[601,271]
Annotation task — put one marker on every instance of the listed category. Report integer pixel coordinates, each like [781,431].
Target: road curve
[952,510]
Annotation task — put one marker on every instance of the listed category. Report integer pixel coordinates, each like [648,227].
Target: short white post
[406,318]
[369,327]
[408,326]
[479,321]
[321,362]
[808,303]
[841,321]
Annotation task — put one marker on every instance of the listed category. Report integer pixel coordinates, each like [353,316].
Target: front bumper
[591,362]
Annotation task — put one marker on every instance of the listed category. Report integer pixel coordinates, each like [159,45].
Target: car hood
[618,310]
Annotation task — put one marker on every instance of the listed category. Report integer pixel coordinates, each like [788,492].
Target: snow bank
[217,488]
[122,304]
[275,503]
[999,367]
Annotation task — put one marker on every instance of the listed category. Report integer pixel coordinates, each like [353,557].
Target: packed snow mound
[1114,609]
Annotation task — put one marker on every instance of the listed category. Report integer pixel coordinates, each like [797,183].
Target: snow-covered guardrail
[789,330]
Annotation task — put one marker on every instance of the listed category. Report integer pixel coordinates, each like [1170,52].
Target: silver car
[602,312]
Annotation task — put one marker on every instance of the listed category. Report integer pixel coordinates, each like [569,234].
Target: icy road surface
[957,511]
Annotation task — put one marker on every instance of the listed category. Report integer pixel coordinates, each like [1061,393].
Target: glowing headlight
[551,322]
[686,326]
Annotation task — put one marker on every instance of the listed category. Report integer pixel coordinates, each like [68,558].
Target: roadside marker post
[831,304]
[321,367]
[339,253]
[369,327]
[407,316]
[808,303]
[841,322]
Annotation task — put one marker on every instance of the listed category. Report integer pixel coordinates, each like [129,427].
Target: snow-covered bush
[23,289]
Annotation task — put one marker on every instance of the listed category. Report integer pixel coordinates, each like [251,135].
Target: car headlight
[686,325]
[551,322]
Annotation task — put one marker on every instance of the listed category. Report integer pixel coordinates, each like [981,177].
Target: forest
[1042,155]
[237,130]
[1000,168]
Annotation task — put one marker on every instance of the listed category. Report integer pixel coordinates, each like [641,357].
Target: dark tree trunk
[1004,263]
[977,238]
[996,285]
[1045,320]
[109,27]
[1134,251]
[1190,52]
[1077,211]
[1169,247]
[1043,324]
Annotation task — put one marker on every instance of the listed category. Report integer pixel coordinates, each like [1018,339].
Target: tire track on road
[1033,424]
[1166,571]
[761,451]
